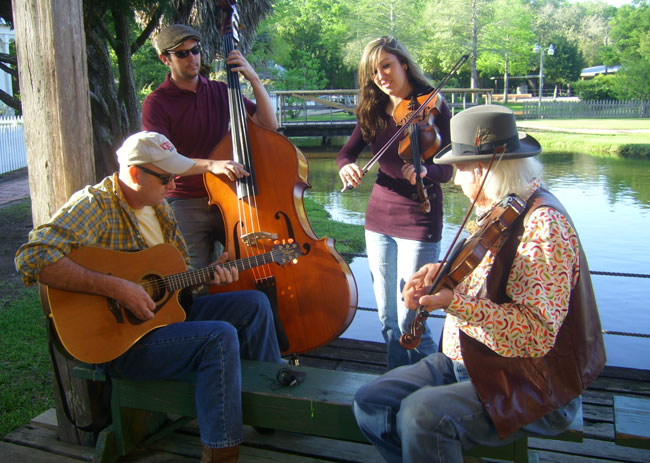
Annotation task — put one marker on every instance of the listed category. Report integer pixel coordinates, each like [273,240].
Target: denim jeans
[421,414]
[392,261]
[201,226]
[206,348]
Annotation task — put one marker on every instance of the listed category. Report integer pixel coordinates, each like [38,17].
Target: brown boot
[224,455]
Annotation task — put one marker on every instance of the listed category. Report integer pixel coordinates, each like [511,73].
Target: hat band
[512,145]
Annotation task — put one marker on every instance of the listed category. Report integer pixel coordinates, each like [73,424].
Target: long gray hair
[512,176]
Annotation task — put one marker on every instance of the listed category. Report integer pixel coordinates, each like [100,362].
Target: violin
[493,230]
[422,139]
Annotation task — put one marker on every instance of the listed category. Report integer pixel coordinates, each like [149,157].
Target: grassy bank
[628,138]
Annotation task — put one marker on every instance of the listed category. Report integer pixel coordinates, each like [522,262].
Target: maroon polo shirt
[194,122]
[394,207]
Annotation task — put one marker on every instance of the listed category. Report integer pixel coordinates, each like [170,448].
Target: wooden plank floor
[37,441]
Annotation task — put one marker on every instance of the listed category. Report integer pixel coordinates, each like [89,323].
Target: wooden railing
[335,106]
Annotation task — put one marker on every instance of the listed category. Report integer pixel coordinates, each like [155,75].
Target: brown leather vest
[518,391]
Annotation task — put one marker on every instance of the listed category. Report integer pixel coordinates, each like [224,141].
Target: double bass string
[246,194]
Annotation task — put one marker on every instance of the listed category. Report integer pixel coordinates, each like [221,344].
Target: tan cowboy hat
[478,131]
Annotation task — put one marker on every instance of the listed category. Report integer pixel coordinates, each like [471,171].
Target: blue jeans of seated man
[392,261]
[200,225]
[421,413]
[206,348]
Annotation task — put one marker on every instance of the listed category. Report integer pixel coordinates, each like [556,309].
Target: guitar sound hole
[154,286]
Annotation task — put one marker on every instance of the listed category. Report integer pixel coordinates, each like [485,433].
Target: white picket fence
[12,144]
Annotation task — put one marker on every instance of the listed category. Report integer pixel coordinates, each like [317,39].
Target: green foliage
[565,64]
[148,70]
[308,76]
[599,88]
[632,79]
[312,31]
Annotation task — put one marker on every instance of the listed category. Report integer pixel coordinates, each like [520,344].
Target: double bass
[315,298]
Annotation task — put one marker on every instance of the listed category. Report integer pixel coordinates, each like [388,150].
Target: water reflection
[609,202]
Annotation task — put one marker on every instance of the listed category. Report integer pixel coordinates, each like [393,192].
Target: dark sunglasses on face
[182,54]
[164,178]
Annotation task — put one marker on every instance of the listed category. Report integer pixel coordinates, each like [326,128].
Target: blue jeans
[392,261]
[206,348]
[421,413]
[201,226]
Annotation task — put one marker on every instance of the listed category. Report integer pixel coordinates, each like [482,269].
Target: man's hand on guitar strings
[223,275]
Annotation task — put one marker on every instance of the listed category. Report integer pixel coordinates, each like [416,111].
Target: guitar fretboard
[198,276]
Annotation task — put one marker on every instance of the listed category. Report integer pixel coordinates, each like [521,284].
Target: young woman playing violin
[400,235]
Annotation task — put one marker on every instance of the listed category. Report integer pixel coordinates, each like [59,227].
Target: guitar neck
[199,276]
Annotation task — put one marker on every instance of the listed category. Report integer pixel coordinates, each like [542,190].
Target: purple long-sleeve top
[394,207]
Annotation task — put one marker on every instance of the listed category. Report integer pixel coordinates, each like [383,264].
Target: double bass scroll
[315,299]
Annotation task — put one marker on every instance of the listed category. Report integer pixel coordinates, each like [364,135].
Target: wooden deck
[37,441]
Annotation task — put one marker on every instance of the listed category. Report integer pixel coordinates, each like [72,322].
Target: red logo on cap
[167,146]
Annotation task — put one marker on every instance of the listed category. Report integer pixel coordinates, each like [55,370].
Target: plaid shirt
[97,216]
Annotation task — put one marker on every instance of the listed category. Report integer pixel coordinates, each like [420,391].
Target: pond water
[609,202]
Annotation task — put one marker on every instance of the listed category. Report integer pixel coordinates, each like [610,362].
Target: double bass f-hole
[466,256]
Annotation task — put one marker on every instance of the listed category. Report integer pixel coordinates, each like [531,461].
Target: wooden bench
[632,421]
[320,405]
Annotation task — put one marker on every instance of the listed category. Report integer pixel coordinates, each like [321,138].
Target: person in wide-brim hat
[477,132]
[522,336]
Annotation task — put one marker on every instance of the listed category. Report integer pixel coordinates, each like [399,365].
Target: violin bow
[415,113]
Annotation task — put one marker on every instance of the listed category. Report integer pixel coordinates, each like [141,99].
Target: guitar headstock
[230,25]
[283,253]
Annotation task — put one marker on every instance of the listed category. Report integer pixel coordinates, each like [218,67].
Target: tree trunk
[50,44]
[108,115]
[127,82]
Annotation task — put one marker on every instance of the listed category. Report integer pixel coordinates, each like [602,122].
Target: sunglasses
[164,178]
[182,54]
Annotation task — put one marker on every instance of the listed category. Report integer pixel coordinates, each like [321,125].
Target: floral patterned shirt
[543,273]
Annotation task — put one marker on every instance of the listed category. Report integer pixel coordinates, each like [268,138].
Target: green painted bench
[632,421]
[319,406]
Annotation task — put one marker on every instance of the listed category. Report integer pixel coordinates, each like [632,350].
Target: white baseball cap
[152,148]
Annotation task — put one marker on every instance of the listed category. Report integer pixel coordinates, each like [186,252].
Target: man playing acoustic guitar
[127,212]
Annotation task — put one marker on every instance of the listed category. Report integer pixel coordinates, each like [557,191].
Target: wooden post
[51,49]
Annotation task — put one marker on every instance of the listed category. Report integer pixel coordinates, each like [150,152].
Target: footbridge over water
[329,113]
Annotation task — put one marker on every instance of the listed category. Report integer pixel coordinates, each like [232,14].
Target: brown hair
[371,110]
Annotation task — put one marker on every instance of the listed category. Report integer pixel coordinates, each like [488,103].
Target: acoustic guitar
[97,329]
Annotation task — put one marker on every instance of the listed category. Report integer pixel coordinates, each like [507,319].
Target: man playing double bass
[193,113]
[522,337]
